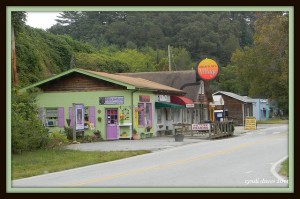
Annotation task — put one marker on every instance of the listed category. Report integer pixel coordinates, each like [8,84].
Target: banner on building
[111,100]
[79,116]
[201,127]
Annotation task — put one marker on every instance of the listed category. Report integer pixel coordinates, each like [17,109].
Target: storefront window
[89,117]
[158,116]
[141,115]
[177,117]
[145,114]
[148,115]
[51,116]
[184,115]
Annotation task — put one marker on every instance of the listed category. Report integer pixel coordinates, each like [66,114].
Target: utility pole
[13,57]
[169,56]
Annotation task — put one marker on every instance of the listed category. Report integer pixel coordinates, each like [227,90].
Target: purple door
[111,124]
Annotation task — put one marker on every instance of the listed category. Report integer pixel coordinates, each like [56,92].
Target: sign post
[250,123]
[74,124]
[78,118]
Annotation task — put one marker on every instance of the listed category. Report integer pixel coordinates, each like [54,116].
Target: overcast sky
[42,20]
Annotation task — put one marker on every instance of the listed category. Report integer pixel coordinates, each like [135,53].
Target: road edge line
[273,168]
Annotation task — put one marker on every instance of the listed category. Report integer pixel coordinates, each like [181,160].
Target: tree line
[202,34]
[250,47]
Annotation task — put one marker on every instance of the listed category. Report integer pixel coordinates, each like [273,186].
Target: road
[241,161]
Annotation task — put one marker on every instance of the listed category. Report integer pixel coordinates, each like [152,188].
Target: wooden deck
[217,130]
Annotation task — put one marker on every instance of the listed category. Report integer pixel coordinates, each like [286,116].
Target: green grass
[273,121]
[284,170]
[48,161]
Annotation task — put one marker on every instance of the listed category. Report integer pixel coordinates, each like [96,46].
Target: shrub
[57,140]
[69,133]
[27,131]
[87,138]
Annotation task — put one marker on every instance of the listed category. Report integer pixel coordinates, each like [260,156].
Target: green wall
[91,98]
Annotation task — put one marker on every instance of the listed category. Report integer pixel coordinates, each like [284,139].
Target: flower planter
[135,136]
[179,137]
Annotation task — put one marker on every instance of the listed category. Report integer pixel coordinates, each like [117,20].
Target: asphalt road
[241,161]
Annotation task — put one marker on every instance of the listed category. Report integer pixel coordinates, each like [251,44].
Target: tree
[41,54]
[27,132]
[202,34]
[17,21]
[137,61]
[265,65]
[100,62]
[229,79]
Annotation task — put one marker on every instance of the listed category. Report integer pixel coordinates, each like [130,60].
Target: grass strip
[47,161]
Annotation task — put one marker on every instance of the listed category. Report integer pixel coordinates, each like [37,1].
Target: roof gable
[127,82]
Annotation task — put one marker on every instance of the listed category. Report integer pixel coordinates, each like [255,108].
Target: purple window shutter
[61,117]
[150,112]
[92,115]
[71,116]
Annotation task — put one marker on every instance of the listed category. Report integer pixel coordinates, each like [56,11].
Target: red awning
[184,101]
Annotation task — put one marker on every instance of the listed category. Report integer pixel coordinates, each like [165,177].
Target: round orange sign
[208,69]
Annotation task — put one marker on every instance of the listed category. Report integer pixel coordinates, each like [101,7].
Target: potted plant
[124,134]
[97,133]
[122,118]
[135,134]
[148,128]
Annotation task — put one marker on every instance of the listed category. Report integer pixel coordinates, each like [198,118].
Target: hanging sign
[162,98]
[144,98]
[79,116]
[189,105]
[208,69]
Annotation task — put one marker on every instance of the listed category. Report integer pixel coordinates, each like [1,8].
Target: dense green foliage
[137,41]
[264,67]
[18,19]
[202,34]
[284,170]
[27,132]
[41,54]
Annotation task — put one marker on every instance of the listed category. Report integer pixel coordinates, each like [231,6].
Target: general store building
[105,97]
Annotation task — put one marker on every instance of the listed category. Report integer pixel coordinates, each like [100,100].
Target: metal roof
[137,82]
[235,96]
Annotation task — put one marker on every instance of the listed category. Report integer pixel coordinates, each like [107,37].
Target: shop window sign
[111,100]
[144,98]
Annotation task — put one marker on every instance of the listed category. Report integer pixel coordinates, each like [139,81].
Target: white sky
[42,20]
